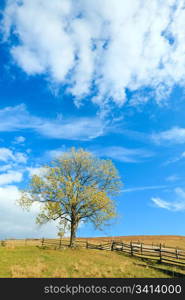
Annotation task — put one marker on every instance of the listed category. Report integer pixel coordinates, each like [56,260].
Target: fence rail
[161,253]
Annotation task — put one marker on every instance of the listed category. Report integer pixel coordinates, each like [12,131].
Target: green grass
[31,261]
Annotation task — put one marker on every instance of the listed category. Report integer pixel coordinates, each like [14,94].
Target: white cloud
[73,129]
[5,167]
[10,177]
[15,118]
[175,135]
[162,203]
[144,188]
[122,154]
[175,159]
[18,118]
[7,154]
[177,205]
[113,45]
[55,153]
[11,166]
[19,140]
[35,171]
[20,157]
[16,223]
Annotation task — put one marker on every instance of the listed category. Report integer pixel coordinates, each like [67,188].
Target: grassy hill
[30,261]
[24,258]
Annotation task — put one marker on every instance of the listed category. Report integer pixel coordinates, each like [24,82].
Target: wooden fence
[159,253]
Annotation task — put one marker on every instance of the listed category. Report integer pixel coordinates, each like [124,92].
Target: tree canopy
[76,187]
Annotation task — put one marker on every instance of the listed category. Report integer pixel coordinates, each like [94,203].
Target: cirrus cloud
[123,154]
[177,205]
[17,118]
[174,135]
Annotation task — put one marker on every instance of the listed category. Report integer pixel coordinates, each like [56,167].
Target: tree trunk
[73,234]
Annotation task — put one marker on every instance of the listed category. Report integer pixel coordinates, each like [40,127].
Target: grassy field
[23,258]
[31,261]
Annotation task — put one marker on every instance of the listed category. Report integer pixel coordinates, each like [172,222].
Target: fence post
[160,253]
[112,246]
[86,244]
[60,243]
[141,248]
[122,247]
[131,249]
[3,243]
[42,242]
[177,256]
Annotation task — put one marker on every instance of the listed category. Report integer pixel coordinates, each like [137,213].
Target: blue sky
[110,80]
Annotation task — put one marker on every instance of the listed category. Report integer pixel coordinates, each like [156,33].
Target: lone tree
[74,188]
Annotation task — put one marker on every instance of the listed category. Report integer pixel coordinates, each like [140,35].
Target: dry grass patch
[60,273]
[29,271]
